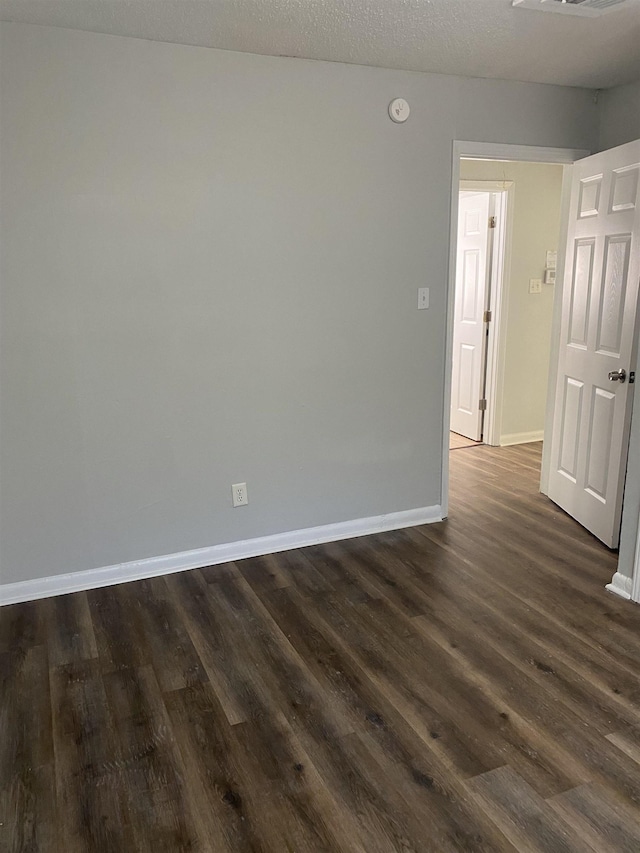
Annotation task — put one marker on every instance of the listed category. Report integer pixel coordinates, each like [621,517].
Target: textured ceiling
[476,38]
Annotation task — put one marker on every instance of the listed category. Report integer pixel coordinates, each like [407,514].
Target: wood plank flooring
[457,441]
[465,686]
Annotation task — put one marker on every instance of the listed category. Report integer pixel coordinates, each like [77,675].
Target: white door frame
[626,583]
[500,259]
[635,577]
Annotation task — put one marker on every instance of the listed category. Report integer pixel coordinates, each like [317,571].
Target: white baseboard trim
[620,585]
[13,593]
[521,438]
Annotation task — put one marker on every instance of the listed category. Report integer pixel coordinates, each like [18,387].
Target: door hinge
[492,222]
[483,405]
[486,317]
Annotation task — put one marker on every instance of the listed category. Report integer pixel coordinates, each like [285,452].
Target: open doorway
[601,210]
[507,243]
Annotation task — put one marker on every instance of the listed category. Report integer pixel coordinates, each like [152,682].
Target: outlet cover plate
[239,494]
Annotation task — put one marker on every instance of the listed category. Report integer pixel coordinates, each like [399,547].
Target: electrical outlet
[239,494]
[535,285]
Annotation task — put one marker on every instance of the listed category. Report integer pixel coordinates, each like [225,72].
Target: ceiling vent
[587,8]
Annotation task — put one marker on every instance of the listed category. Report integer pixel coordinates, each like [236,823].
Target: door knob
[618,375]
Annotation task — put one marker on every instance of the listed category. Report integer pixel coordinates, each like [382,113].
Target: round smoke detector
[399,110]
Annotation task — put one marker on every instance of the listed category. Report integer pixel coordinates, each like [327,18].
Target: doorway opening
[506,250]
[592,431]
[499,152]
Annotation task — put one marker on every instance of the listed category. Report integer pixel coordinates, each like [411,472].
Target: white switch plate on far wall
[423,297]
[535,285]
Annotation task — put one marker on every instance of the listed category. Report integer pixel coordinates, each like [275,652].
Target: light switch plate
[423,297]
[535,285]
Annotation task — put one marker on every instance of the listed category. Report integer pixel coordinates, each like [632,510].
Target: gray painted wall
[209,273]
[619,115]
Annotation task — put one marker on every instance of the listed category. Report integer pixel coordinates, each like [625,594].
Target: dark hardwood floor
[465,686]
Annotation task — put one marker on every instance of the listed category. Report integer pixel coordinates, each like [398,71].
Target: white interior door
[598,338]
[469,328]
